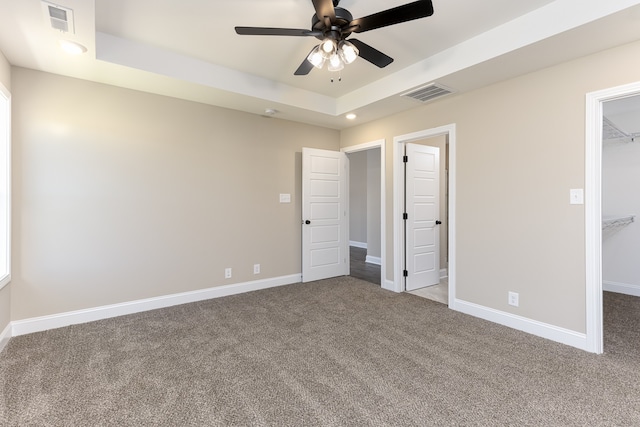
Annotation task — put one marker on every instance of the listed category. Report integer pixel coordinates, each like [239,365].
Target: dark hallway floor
[361,269]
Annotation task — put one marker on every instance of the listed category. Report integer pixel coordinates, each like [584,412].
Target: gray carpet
[334,352]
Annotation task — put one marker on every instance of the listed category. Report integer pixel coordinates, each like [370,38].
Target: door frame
[593,209]
[398,192]
[382,144]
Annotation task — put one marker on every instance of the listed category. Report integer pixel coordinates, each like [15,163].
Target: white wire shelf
[616,221]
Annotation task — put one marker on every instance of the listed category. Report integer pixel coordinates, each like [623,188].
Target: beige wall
[5,293]
[358,197]
[373,202]
[121,195]
[520,148]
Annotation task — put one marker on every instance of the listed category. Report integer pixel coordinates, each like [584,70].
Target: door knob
[307,222]
[438,222]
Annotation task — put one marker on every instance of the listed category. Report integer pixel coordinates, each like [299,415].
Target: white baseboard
[444,273]
[621,288]
[544,330]
[373,260]
[5,336]
[358,244]
[389,285]
[37,324]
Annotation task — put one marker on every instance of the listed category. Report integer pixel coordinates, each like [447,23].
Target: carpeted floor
[333,352]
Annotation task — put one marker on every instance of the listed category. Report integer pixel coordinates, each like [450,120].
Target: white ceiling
[188,49]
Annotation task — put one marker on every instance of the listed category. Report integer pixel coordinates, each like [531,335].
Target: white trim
[6,269]
[360,245]
[544,330]
[444,273]
[621,288]
[373,260]
[398,191]
[5,336]
[593,209]
[388,285]
[37,324]
[382,144]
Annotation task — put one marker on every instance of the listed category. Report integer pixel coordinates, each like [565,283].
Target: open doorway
[446,137]
[364,215]
[594,215]
[430,281]
[620,228]
[366,211]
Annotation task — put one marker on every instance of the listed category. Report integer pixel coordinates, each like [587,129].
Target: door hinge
[405,159]
[405,216]
[405,273]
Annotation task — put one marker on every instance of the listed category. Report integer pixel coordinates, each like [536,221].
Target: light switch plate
[576,196]
[285,198]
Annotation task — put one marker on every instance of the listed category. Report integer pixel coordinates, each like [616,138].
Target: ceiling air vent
[59,17]
[428,93]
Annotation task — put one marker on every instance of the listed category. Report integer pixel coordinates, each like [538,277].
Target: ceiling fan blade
[305,67]
[396,15]
[264,31]
[324,8]
[372,55]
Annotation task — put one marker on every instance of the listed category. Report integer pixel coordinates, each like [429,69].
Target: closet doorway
[446,136]
[608,218]
[621,196]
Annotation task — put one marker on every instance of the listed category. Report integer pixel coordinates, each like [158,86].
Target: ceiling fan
[333,25]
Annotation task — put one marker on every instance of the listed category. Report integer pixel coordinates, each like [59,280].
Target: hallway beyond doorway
[361,269]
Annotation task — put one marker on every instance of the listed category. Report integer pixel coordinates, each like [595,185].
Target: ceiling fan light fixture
[328,46]
[332,24]
[348,52]
[316,57]
[335,63]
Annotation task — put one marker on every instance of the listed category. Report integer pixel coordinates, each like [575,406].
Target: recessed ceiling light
[351,116]
[72,48]
[270,111]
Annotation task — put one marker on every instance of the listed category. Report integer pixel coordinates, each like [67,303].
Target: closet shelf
[614,221]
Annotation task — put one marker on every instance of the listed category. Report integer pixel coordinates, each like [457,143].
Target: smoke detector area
[58,17]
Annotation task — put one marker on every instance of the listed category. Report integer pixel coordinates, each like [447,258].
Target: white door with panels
[422,208]
[325,219]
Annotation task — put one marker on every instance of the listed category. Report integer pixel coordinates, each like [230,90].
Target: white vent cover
[59,17]
[428,93]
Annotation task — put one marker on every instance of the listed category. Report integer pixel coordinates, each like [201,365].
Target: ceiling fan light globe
[348,52]
[329,46]
[335,63]
[316,57]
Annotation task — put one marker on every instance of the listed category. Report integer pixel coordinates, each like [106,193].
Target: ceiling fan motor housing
[334,30]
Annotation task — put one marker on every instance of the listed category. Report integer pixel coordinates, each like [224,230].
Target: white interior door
[422,208]
[325,219]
